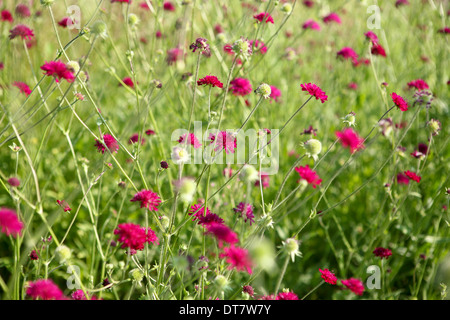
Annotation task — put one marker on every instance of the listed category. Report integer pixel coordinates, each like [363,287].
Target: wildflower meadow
[224,150]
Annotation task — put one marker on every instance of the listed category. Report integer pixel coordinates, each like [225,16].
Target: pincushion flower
[22,10]
[201,44]
[275,93]
[309,175]
[224,140]
[445,30]
[210,81]
[286,296]
[242,48]
[148,199]
[348,53]
[260,17]
[237,258]
[246,211]
[222,233]
[14,182]
[349,138]
[168,6]
[79,295]
[382,252]
[44,289]
[399,101]
[133,236]
[10,223]
[402,179]
[328,276]
[5,15]
[240,87]
[22,31]
[128,82]
[355,285]
[192,140]
[204,219]
[58,70]
[173,55]
[332,17]
[419,84]
[413,176]
[378,50]
[135,138]
[259,46]
[110,143]
[66,21]
[314,91]
[370,35]
[311,24]
[23,87]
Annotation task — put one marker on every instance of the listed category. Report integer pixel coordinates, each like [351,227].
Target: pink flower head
[224,141]
[399,101]
[311,24]
[286,296]
[14,182]
[66,21]
[249,290]
[134,237]
[378,50]
[413,176]
[168,6]
[121,1]
[402,179]
[150,132]
[240,87]
[310,176]
[210,81]
[63,204]
[148,199]
[370,35]
[328,276]
[419,84]
[10,223]
[265,179]
[58,70]
[201,44]
[237,258]
[144,5]
[353,86]
[22,10]
[135,138]
[192,140]
[246,211]
[308,3]
[275,93]
[259,46]
[260,17]
[23,87]
[399,3]
[198,212]
[382,252]
[128,82]
[173,55]
[110,143]
[5,15]
[22,31]
[33,255]
[314,91]
[79,295]
[332,17]
[349,138]
[355,285]
[45,290]
[348,53]
[222,233]
[445,30]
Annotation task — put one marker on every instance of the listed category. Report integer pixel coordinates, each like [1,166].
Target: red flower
[350,138]
[332,17]
[144,5]
[173,55]
[128,82]
[246,211]
[150,132]
[23,87]
[310,176]
[6,16]
[371,36]
[275,93]
[110,142]
[328,276]
[58,70]
[355,285]
[148,199]
[240,87]
[348,53]
[413,176]
[224,140]
[222,233]
[399,101]
[64,22]
[191,140]
[135,138]
[211,81]
[237,258]
[45,290]
[123,1]
[402,179]
[286,296]
[378,50]
[311,24]
[259,46]
[10,223]
[134,236]
[398,3]
[264,15]
[265,179]
[63,204]
[23,11]
[419,84]
[168,6]
[444,30]
[382,252]
[315,91]
[22,31]
[14,182]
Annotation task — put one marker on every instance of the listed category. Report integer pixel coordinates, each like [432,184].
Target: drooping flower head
[110,143]
[237,258]
[10,223]
[222,233]
[58,70]
[349,138]
[23,87]
[260,17]
[355,285]
[148,199]
[135,138]
[133,236]
[22,31]
[311,24]
[378,50]
[314,91]
[309,175]
[210,81]
[328,276]
[332,17]
[382,252]
[370,35]
[399,101]
[44,289]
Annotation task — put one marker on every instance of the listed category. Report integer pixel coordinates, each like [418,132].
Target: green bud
[73,66]
[133,19]
[63,253]
[286,8]
[264,90]
[136,275]
[221,282]
[249,174]
[313,148]
[99,29]
[47,2]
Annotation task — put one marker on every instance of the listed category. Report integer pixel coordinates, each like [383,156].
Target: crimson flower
[22,31]
[44,289]
[413,176]
[314,91]
[419,84]
[349,138]
[5,15]
[309,175]
[110,143]
[211,81]
[328,276]
[237,258]
[222,233]
[240,87]
[23,87]
[332,17]
[134,237]
[382,252]
[264,15]
[399,101]
[378,50]
[10,223]
[148,199]
[355,285]
[58,70]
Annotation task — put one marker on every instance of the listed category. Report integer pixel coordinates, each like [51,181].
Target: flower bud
[133,19]
[73,66]
[350,119]
[290,246]
[99,29]
[242,47]
[221,282]
[313,148]
[286,8]
[63,253]
[136,275]
[186,189]
[249,174]
[264,90]
[435,126]
[165,221]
